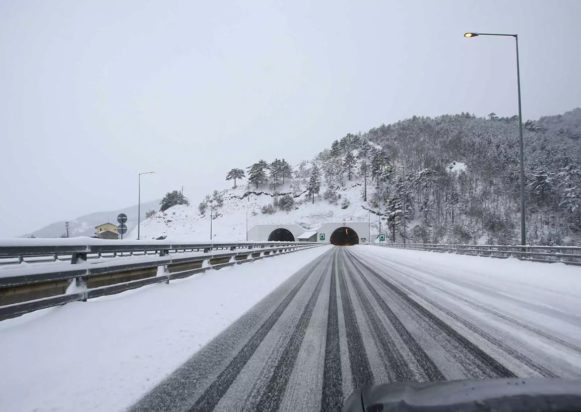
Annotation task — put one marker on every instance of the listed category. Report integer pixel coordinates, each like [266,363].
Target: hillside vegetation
[452,179]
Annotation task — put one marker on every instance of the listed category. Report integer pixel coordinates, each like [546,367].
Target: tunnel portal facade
[344,233]
[273,233]
[281,235]
[344,236]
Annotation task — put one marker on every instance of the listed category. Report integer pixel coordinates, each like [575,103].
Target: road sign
[321,237]
[122,218]
[122,228]
[382,238]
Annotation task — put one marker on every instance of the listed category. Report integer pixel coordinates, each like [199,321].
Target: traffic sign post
[122,227]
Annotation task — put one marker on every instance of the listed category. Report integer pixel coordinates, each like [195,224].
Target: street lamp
[139,203]
[523,238]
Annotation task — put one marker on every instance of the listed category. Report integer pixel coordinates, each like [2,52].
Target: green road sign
[382,238]
[321,236]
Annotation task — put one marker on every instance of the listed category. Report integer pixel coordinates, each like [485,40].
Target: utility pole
[369,230]
[404,207]
[67,228]
[246,219]
[211,219]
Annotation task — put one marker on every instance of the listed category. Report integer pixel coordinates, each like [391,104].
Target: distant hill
[85,225]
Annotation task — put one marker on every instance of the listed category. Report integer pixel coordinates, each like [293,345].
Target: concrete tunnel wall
[360,228]
[261,233]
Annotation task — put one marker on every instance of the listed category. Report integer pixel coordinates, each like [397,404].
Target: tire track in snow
[395,363]
[522,358]
[274,391]
[361,370]
[488,365]
[332,397]
[212,395]
[424,361]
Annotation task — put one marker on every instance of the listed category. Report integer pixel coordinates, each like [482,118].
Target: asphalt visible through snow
[345,321]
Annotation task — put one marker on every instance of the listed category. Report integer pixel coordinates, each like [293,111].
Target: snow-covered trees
[172,199]
[477,202]
[279,170]
[349,163]
[257,173]
[314,185]
[363,169]
[235,174]
[286,202]
[213,202]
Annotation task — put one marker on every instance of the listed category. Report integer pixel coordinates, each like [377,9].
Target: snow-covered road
[364,315]
[328,320]
[104,354]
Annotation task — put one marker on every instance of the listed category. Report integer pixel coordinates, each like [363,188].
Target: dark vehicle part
[511,394]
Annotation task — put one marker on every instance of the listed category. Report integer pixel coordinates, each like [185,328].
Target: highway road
[354,317]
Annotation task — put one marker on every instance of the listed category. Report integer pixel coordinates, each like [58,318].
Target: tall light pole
[139,203]
[523,233]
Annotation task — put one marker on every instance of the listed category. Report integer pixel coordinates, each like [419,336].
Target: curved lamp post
[523,232]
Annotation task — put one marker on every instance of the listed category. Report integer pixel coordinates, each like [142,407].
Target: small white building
[275,232]
[308,236]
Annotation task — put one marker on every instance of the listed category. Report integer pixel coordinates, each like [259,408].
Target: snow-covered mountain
[452,178]
[85,225]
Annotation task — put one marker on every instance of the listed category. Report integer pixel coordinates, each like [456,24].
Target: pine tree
[172,199]
[378,163]
[275,172]
[363,169]
[349,163]
[286,170]
[235,174]
[335,149]
[364,149]
[314,185]
[257,173]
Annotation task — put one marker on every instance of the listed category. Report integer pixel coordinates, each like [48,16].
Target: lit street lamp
[521,143]
[139,203]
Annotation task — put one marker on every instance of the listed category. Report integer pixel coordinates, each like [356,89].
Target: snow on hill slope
[85,225]
[449,179]
[186,223]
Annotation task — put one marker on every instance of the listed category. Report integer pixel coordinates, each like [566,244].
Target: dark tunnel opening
[281,235]
[344,236]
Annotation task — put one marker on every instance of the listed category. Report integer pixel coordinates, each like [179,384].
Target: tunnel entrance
[344,236]
[281,234]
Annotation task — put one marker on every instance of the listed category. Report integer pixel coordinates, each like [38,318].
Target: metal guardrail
[29,287]
[35,251]
[570,255]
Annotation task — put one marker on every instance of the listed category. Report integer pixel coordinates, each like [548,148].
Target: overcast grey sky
[91,92]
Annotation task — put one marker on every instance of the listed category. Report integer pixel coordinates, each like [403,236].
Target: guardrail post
[78,258]
[78,285]
[163,271]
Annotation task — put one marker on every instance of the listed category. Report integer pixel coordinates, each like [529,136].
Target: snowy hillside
[85,225]
[450,179]
[186,223]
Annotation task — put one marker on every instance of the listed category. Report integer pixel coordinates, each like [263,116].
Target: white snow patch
[457,167]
